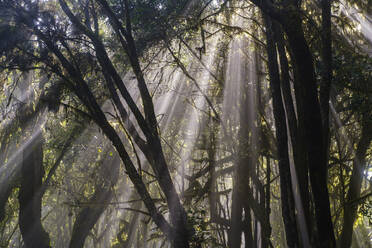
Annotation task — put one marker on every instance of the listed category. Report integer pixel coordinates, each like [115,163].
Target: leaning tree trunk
[9,181]
[33,234]
[351,206]
[178,217]
[89,215]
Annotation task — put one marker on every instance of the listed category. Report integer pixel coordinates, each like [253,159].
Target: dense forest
[185,123]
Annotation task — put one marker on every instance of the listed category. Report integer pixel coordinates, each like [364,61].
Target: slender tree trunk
[295,129]
[149,125]
[288,206]
[177,212]
[33,233]
[235,232]
[267,202]
[325,86]
[255,234]
[304,68]
[81,89]
[351,206]
[247,227]
[243,166]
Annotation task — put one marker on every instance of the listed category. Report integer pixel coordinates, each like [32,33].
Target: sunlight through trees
[164,123]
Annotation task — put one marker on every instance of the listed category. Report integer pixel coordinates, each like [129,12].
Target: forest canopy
[185,123]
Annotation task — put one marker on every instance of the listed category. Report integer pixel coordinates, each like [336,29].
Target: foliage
[205,70]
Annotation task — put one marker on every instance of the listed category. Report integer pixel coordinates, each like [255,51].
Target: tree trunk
[83,92]
[266,240]
[9,181]
[235,232]
[315,147]
[155,153]
[243,166]
[325,86]
[89,215]
[351,206]
[247,227]
[288,206]
[295,129]
[33,234]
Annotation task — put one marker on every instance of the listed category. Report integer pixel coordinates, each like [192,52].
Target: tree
[231,119]
[309,109]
